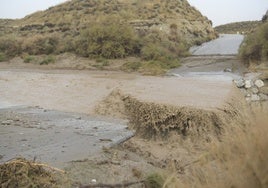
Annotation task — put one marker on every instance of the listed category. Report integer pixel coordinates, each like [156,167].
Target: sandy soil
[81,91]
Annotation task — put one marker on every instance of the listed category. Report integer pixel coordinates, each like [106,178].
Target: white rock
[244,91]
[263,97]
[255,97]
[254,90]
[239,83]
[259,83]
[227,70]
[248,99]
[248,84]
[93,181]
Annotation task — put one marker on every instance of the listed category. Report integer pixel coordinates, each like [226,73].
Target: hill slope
[141,14]
[108,28]
[238,27]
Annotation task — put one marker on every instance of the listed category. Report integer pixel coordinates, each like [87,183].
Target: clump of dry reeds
[238,161]
[20,172]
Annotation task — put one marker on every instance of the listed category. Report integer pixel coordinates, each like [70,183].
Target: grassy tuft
[2,57]
[154,181]
[47,60]
[107,40]
[28,59]
[131,66]
[255,46]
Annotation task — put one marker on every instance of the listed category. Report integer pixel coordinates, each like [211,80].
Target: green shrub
[2,57]
[108,40]
[157,53]
[131,66]
[28,59]
[152,51]
[153,68]
[47,60]
[255,46]
[10,46]
[101,63]
[38,45]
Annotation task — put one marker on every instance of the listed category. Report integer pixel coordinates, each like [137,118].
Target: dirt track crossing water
[56,137]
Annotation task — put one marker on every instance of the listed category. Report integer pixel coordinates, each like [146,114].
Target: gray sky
[226,11]
[219,11]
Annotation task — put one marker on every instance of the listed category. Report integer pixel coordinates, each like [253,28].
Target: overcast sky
[226,11]
[219,11]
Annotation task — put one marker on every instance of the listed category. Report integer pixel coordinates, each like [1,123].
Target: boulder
[244,91]
[248,84]
[263,97]
[248,99]
[259,83]
[254,90]
[239,83]
[255,97]
[227,70]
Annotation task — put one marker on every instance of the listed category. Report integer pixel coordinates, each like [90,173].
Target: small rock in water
[93,181]
[248,84]
[255,97]
[227,70]
[259,83]
[239,83]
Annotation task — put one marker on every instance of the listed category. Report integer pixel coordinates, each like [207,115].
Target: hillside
[238,27]
[153,14]
[110,29]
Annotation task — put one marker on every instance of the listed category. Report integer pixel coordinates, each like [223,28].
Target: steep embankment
[153,118]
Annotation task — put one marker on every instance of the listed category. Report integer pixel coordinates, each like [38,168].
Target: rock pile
[253,89]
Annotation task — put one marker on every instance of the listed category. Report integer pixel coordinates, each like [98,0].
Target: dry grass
[239,161]
[254,49]
[23,173]
[235,155]
[70,18]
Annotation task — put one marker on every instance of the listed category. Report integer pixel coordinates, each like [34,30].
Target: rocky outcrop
[253,89]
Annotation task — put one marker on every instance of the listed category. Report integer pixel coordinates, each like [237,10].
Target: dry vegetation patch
[157,31]
[20,172]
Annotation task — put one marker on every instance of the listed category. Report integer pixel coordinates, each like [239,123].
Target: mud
[181,115]
[55,137]
[156,120]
